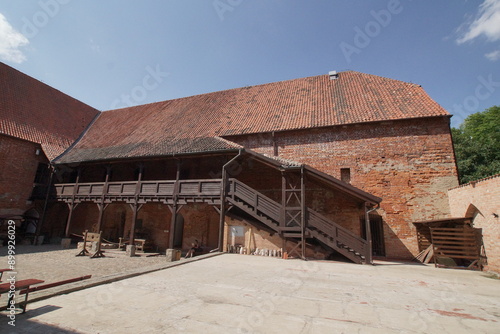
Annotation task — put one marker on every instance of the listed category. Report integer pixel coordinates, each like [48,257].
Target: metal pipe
[223,198]
[368,254]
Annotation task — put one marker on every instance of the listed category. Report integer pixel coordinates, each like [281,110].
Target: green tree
[477,145]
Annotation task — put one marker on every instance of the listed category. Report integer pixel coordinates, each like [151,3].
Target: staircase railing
[259,204]
[337,232]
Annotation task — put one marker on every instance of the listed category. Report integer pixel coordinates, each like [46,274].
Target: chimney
[333,75]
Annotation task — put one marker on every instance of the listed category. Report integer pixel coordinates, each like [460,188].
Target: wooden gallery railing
[146,191]
[238,194]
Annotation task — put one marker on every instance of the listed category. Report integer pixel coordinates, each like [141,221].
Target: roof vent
[333,75]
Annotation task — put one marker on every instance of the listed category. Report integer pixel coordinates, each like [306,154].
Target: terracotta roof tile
[287,105]
[33,111]
[166,147]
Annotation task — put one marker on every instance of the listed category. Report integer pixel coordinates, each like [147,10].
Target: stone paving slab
[52,264]
[250,294]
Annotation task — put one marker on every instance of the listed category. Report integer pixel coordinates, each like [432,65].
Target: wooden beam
[222,212]
[283,200]
[368,255]
[172,225]
[71,207]
[303,211]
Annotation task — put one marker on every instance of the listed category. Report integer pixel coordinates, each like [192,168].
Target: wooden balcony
[144,191]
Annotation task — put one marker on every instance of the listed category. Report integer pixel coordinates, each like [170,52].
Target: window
[345,175]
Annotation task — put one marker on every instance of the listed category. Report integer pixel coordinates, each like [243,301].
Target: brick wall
[18,165]
[409,163]
[254,238]
[201,222]
[481,199]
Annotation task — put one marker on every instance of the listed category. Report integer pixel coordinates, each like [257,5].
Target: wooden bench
[18,285]
[89,237]
[2,271]
[25,288]
[140,244]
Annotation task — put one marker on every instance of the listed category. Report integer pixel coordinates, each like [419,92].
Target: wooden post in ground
[368,254]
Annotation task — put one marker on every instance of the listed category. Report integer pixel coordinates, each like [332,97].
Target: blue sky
[117,53]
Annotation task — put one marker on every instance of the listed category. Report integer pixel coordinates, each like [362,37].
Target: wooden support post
[222,213]
[72,205]
[47,195]
[303,211]
[101,205]
[174,208]
[283,200]
[68,222]
[368,255]
[172,225]
[134,220]
[135,206]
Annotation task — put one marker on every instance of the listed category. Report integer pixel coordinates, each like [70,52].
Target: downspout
[369,252]
[223,198]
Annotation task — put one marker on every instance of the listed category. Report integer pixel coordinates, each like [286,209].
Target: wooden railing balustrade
[238,193]
[163,188]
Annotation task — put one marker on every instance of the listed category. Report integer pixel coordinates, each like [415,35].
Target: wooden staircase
[270,213]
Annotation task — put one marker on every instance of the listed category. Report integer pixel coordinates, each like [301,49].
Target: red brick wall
[201,222]
[482,200]
[18,165]
[409,163]
[254,238]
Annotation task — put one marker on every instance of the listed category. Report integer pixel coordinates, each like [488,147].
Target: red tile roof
[33,111]
[287,105]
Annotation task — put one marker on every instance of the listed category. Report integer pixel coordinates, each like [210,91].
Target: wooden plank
[21,284]
[454,235]
[429,256]
[460,257]
[423,254]
[51,285]
[463,247]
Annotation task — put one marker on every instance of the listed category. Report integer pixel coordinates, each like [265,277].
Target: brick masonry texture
[409,163]
[18,165]
[34,111]
[481,200]
[305,103]
[394,139]
[201,222]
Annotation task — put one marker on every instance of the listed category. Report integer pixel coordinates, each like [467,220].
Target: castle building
[342,163]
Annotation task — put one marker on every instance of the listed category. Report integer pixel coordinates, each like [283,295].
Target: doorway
[178,231]
[377,229]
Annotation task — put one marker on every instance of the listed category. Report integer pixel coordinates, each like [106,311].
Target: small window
[345,175]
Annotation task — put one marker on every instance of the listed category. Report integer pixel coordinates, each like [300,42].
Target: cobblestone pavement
[51,263]
[251,294]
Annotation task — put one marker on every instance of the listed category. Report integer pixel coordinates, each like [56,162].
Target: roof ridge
[258,85]
[219,91]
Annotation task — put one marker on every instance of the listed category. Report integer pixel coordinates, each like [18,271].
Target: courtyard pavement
[251,294]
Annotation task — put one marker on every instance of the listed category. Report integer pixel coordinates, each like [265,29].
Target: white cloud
[493,56]
[487,23]
[10,42]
